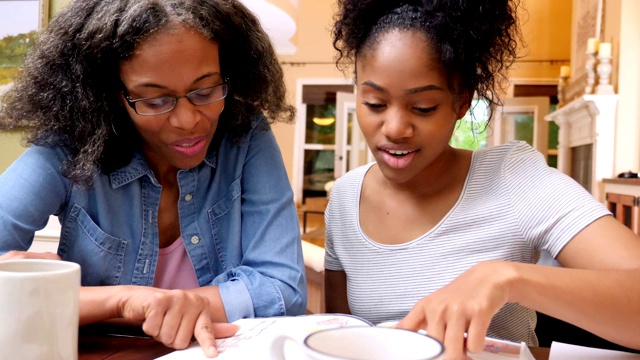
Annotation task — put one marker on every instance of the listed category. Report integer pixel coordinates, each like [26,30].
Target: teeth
[398,152]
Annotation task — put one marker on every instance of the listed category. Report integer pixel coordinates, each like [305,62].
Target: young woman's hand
[466,305]
[173,317]
[14,254]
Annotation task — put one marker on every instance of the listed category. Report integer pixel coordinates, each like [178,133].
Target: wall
[546,28]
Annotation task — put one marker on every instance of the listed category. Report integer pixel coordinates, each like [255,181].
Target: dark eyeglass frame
[132,102]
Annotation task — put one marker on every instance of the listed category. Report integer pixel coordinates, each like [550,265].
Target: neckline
[365,170]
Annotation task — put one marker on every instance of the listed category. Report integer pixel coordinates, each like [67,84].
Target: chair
[625,209]
[313,205]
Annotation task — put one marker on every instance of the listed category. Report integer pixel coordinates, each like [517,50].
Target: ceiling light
[324,121]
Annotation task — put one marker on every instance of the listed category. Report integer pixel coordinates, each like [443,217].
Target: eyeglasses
[164,104]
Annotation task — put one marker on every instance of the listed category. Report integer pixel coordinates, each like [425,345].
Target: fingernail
[213,351]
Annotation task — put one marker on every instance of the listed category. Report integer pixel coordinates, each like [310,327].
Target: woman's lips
[398,159]
[189,147]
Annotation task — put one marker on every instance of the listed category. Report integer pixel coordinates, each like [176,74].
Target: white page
[562,351]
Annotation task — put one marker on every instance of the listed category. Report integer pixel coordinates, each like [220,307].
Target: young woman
[446,239]
[150,144]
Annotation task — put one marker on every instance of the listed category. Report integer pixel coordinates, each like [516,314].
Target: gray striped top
[512,207]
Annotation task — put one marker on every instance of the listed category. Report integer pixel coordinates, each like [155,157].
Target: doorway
[323,133]
[522,118]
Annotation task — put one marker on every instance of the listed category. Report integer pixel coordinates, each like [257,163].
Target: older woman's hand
[174,316]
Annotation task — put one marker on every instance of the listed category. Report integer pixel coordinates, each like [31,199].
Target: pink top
[174,269]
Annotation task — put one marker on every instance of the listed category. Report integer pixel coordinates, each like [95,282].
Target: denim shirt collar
[138,167]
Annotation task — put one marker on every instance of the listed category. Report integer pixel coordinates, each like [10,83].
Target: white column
[590,119]
[603,142]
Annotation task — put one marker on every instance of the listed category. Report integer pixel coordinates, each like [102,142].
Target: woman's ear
[464,103]
[119,98]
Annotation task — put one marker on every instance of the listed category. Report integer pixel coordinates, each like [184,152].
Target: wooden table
[540,353]
[95,346]
[107,347]
[96,342]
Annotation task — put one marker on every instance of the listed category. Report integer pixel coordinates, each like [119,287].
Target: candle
[565,71]
[592,45]
[604,50]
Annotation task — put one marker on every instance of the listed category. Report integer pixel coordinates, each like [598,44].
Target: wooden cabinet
[623,200]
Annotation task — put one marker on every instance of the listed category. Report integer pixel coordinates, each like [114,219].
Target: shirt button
[195,240]
[188,197]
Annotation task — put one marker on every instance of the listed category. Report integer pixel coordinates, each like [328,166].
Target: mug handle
[276,351]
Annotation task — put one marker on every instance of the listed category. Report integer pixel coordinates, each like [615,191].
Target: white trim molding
[589,119]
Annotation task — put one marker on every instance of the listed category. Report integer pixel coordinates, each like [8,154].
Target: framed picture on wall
[18,31]
[43,13]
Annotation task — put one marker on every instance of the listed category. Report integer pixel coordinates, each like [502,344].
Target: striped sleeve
[551,208]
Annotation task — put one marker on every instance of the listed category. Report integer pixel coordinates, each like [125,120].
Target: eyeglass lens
[163,104]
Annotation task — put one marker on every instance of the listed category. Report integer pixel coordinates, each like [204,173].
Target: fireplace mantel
[588,120]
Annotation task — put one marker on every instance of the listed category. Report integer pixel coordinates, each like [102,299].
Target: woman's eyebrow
[198,79]
[373,85]
[208,75]
[423,88]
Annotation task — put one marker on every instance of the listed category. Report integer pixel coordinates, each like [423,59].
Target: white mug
[39,309]
[360,343]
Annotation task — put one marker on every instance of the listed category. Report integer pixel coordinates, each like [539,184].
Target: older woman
[150,144]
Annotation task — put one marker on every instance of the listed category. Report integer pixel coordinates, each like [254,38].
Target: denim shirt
[237,218]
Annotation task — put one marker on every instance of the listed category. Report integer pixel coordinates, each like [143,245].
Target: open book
[254,338]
